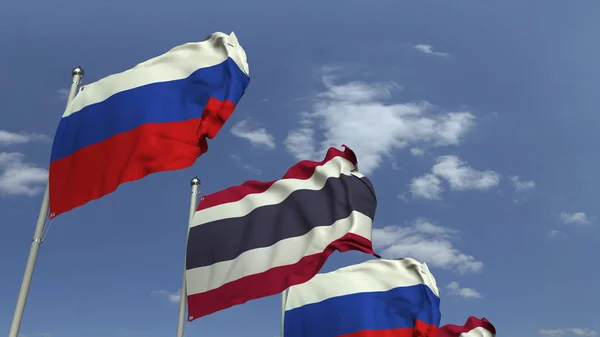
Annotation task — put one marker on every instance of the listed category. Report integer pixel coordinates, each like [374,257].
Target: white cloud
[555,234]
[357,114]
[417,152]
[568,332]
[428,49]
[258,136]
[577,218]
[240,162]
[14,138]
[63,93]
[403,197]
[300,142]
[457,173]
[427,187]
[470,293]
[18,177]
[522,186]
[424,241]
[462,177]
[172,297]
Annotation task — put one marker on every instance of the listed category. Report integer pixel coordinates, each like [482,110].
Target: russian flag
[151,118]
[377,298]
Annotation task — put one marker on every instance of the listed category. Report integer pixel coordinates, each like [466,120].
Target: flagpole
[283,301]
[195,182]
[77,74]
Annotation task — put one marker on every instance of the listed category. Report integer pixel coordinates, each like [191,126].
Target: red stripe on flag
[421,329]
[97,170]
[302,170]
[214,116]
[271,282]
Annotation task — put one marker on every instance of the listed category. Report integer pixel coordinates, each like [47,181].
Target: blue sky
[495,90]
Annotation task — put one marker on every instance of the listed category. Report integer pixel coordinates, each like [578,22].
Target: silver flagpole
[183,297]
[283,301]
[77,74]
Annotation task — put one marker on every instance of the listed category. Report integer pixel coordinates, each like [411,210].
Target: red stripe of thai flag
[474,327]
[257,239]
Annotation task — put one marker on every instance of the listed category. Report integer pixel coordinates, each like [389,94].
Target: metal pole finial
[195,181]
[77,71]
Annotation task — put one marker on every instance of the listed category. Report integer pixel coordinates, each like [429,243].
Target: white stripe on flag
[365,277]
[276,193]
[178,63]
[477,332]
[282,253]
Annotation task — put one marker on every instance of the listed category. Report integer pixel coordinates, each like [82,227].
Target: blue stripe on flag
[162,102]
[385,310]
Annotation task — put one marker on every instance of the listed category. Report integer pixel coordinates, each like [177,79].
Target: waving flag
[151,118]
[378,298]
[474,327]
[259,238]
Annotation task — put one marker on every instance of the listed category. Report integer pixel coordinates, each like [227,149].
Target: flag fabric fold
[377,298]
[259,238]
[474,327]
[153,117]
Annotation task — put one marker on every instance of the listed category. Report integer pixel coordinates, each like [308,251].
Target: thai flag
[377,298]
[474,327]
[151,118]
[259,238]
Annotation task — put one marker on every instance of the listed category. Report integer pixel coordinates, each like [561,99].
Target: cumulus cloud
[172,297]
[425,241]
[428,49]
[358,114]
[577,218]
[568,332]
[417,152]
[427,187]
[462,177]
[300,142]
[458,174]
[403,197]
[17,177]
[470,293]
[522,188]
[13,138]
[522,185]
[258,137]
